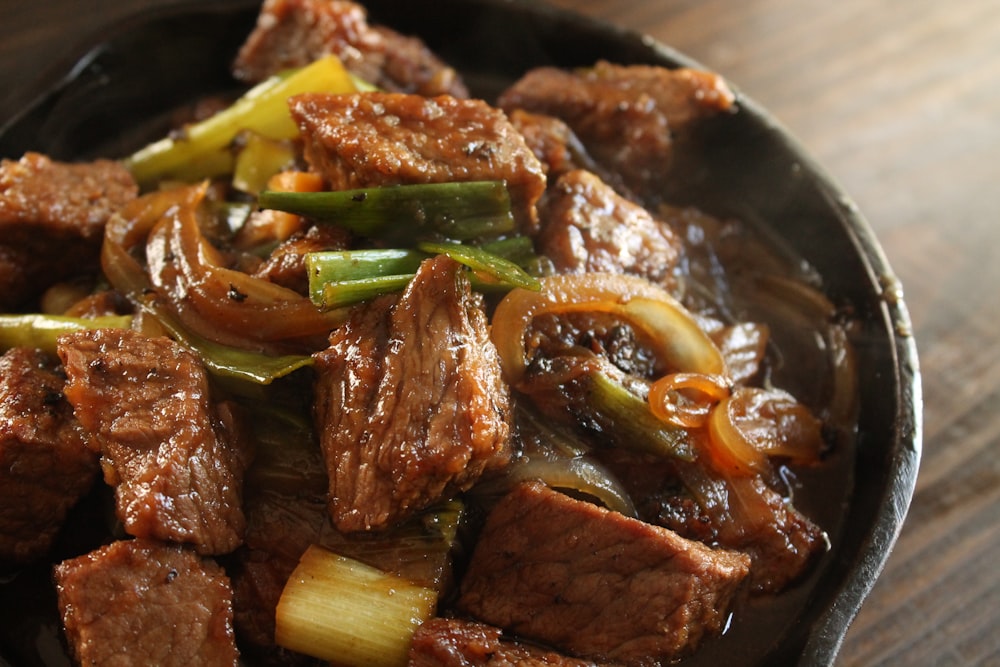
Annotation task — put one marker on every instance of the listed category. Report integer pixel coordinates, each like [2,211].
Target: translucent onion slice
[750,426]
[670,397]
[678,341]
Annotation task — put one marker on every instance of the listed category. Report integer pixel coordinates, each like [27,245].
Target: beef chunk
[693,499]
[410,404]
[45,465]
[52,217]
[628,117]
[452,642]
[286,266]
[393,139]
[595,583]
[140,602]
[588,227]
[175,459]
[293,33]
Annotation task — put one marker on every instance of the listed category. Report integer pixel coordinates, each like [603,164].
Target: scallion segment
[405,214]
[203,150]
[42,331]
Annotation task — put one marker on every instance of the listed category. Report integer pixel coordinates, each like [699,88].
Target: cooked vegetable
[629,422]
[258,159]
[405,214]
[41,331]
[676,337]
[203,150]
[338,609]
[342,278]
[487,267]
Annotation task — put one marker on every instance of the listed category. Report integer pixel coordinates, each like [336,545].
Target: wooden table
[900,100]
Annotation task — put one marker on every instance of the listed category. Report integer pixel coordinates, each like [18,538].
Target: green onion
[489,268]
[631,424]
[404,214]
[42,331]
[203,151]
[347,266]
[349,292]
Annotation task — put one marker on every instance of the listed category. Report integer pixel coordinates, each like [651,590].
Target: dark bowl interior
[113,100]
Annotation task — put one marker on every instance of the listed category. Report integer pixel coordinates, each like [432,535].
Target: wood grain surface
[900,101]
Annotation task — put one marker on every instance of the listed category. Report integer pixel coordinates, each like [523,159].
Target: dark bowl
[112,99]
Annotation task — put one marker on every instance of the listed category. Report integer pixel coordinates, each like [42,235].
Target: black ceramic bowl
[109,102]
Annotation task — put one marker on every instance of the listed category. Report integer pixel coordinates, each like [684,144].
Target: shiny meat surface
[45,465]
[628,117]
[587,227]
[378,139]
[176,460]
[410,406]
[141,602]
[52,217]
[452,642]
[595,583]
[293,33]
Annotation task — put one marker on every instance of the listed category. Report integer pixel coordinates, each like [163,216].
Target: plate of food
[434,335]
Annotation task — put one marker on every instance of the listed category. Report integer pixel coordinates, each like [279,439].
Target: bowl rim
[828,630]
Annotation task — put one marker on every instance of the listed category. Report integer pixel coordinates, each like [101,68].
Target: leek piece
[630,423]
[518,249]
[350,292]
[339,610]
[263,109]
[489,268]
[42,331]
[258,160]
[222,361]
[404,214]
[336,266]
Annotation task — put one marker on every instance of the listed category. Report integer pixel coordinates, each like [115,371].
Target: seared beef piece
[293,33]
[175,459]
[587,227]
[45,465]
[52,217]
[628,117]
[409,403]
[452,642]
[140,602]
[286,266]
[393,139]
[694,501]
[595,583]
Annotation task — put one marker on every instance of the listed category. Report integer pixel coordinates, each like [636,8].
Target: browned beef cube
[45,465]
[452,642]
[52,217]
[587,227]
[140,602]
[293,33]
[376,139]
[410,404]
[558,148]
[595,583]
[175,459]
[627,116]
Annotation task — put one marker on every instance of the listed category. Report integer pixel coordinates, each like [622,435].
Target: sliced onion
[750,426]
[221,304]
[579,475]
[678,341]
[667,402]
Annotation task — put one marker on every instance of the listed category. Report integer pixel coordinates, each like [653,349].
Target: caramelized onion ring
[679,342]
[708,390]
[753,424]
